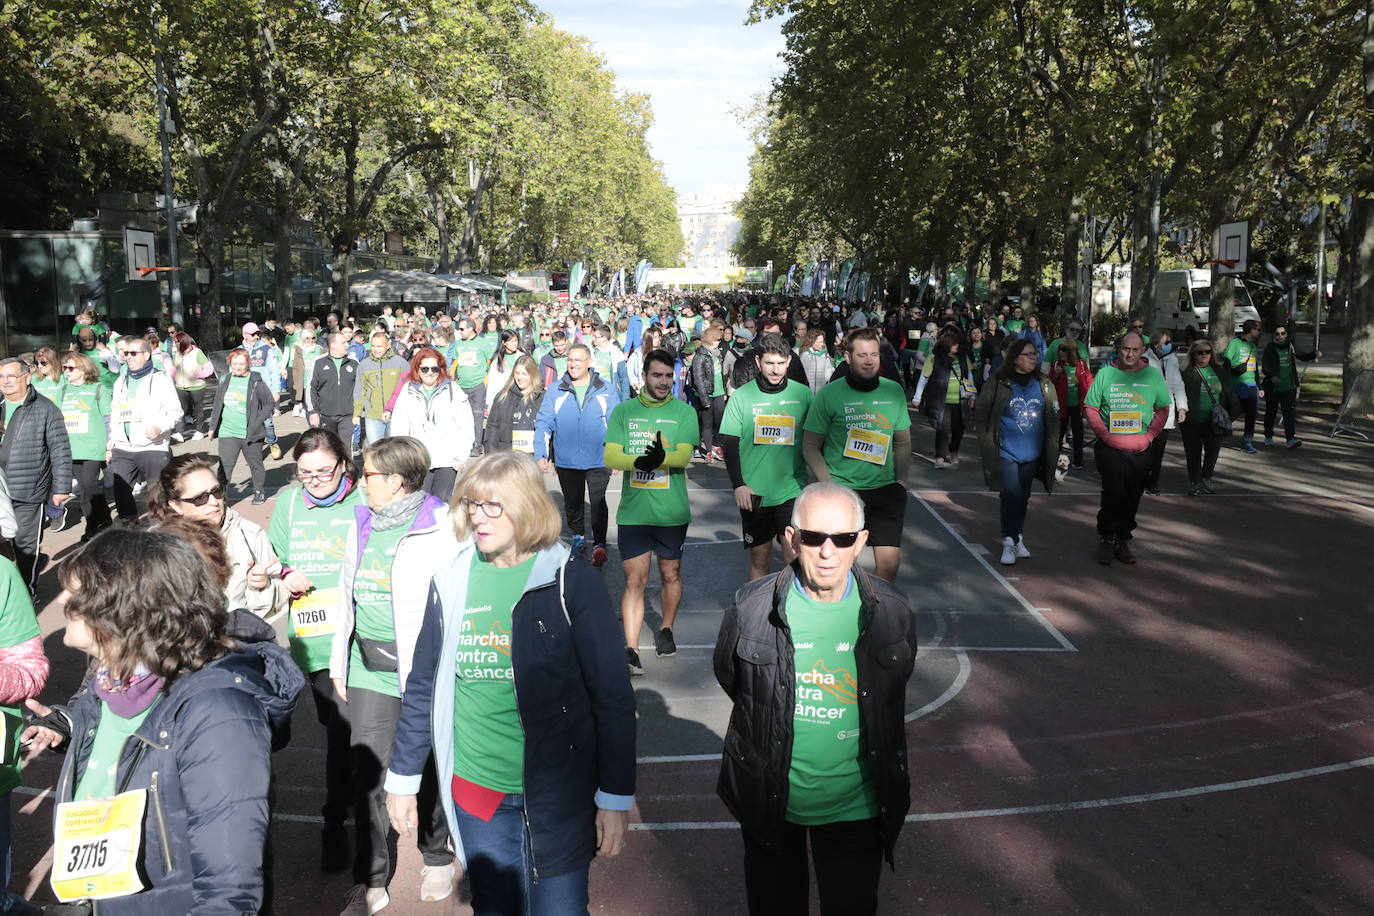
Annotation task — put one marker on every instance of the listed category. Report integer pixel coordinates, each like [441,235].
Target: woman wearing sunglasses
[520,694]
[1208,383]
[238,419]
[47,374]
[432,408]
[85,404]
[309,529]
[189,487]
[395,546]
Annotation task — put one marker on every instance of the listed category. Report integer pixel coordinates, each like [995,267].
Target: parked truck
[1182,297]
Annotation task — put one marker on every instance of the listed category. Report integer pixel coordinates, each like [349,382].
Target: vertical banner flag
[842,287]
[575,281]
[822,284]
[791,272]
[642,278]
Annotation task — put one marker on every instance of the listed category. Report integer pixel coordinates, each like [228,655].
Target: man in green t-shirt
[815,659]
[858,433]
[1243,355]
[1127,406]
[760,436]
[469,358]
[651,438]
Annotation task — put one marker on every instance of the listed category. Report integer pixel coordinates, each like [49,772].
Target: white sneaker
[939,464]
[198,436]
[1008,552]
[436,882]
[1021,551]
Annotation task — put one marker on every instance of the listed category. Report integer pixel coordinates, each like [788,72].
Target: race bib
[96,847]
[913,334]
[1126,422]
[126,412]
[774,430]
[78,424]
[1250,363]
[867,445]
[967,389]
[522,440]
[649,480]
[467,358]
[313,614]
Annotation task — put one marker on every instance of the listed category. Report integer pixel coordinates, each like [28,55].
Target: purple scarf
[129,698]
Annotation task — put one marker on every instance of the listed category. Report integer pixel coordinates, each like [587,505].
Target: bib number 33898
[96,848]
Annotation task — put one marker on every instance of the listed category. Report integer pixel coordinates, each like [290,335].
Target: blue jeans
[271,429]
[1017,479]
[501,870]
[375,429]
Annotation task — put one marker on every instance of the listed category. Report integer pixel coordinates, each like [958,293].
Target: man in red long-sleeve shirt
[1127,406]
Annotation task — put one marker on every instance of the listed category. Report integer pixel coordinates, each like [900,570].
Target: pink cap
[250,328]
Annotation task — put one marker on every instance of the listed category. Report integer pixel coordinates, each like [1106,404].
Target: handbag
[1221,417]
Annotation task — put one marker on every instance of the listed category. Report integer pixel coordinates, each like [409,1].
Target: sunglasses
[69,368]
[131,352]
[840,539]
[429,370]
[1204,352]
[201,499]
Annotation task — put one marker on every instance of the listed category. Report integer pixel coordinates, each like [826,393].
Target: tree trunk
[995,253]
[282,269]
[210,248]
[1359,315]
[1221,315]
[1145,248]
[939,270]
[1030,264]
[340,276]
[479,179]
[438,215]
[1073,240]
[975,255]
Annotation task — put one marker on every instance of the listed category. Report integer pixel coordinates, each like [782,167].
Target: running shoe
[1008,551]
[1105,549]
[436,882]
[599,555]
[579,543]
[952,460]
[664,644]
[1123,552]
[365,901]
[632,658]
[1022,553]
[275,451]
[1294,443]
[198,436]
[1248,448]
[939,464]
[1153,491]
[1194,491]
[1268,440]
[259,498]
[1207,486]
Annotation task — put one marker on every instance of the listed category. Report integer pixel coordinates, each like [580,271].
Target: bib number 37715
[96,850]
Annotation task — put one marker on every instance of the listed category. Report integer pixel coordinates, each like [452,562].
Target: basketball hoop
[144,271]
[1222,262]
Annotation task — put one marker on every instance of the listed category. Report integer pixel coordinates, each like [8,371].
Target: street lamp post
[164,129]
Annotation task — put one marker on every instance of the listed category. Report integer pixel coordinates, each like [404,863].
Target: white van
[1182,298]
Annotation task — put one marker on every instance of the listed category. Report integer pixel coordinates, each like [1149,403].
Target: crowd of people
[419,546]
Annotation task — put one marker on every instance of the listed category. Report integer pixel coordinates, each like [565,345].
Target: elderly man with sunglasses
[144,411]
[816,659]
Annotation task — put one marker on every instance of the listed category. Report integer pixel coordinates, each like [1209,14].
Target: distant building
[710,227]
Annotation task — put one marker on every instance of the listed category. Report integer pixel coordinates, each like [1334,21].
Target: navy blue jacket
[204,755]
[572,687]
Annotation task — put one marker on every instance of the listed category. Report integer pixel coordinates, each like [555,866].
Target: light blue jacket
[577,431]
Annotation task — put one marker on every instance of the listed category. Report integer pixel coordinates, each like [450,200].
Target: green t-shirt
[488,738]
[52,390]
[372,609]
[580,389]
[102,764]
[470,359]
[311,539]
[233,419]
[17,625]
[1015,325]
[1127,401]
[1288,376]
[1203,413]
[717,383]
[827,779]
[657,497]
[85,410]
[859,427]
[954,386]
[1243,352]
[769,427]
[131,386]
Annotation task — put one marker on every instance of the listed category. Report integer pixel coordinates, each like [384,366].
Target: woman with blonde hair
[519,688]
[47,374]
[708,381]
[86,408]
[510,422]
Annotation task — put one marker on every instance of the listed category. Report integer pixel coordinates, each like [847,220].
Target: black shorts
[884,514]
[665,541]
[765,523]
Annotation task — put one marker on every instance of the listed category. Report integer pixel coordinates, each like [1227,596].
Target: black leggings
[1073,429]
[1201,446]
[193,406]
[94,507]
[710,415]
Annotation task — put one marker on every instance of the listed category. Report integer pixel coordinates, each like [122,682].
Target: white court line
[1086,805]
[952,691]
[1034,612]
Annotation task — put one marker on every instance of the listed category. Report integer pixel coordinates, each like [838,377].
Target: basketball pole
[163,129]
[1321,278]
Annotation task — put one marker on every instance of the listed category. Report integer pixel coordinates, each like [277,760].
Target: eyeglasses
[429,370]
[378,474]
[201,499]
[490,508]
[306,476]
[1276,334]
[840,539]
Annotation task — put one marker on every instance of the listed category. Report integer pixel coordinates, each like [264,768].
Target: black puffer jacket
[704,371]
[35,453]
[755,665]
[508,414]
